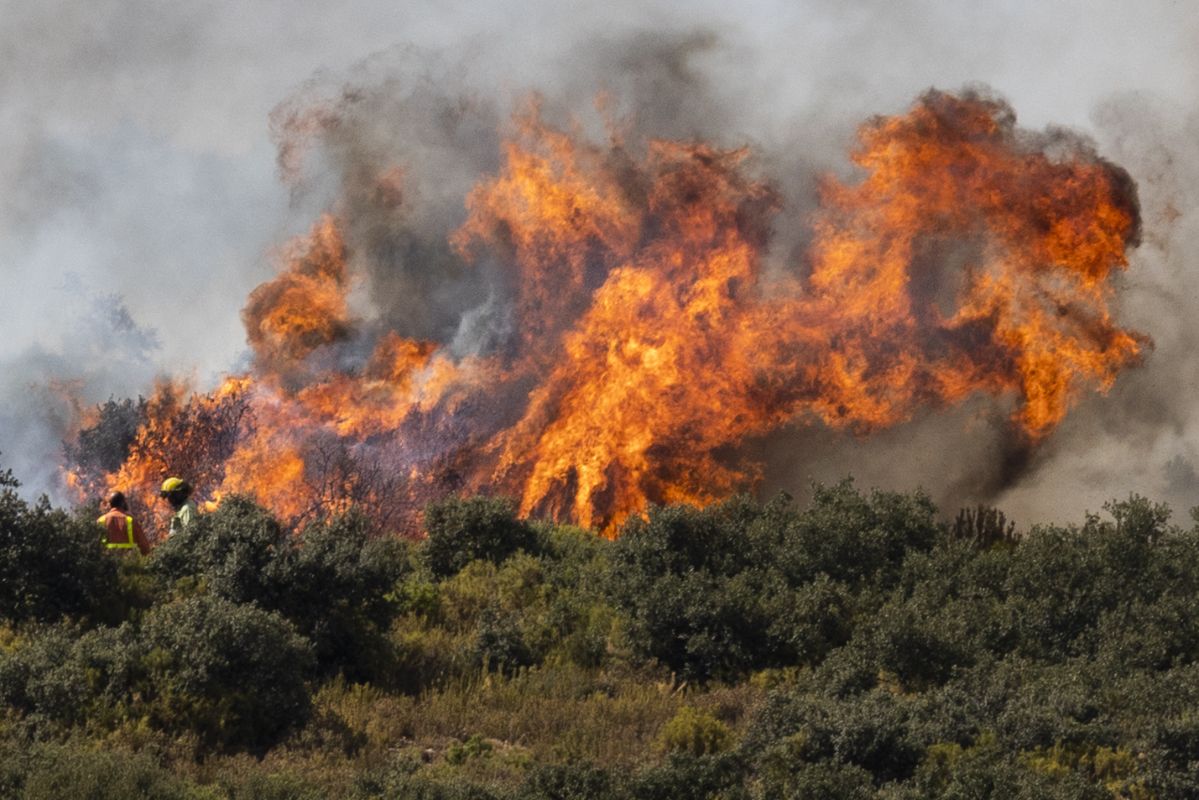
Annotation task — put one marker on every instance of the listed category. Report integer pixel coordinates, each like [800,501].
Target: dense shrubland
[855,647]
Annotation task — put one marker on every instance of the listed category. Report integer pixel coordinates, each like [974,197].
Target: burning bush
[102,445]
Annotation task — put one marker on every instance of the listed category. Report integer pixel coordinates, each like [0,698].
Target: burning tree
[103,443]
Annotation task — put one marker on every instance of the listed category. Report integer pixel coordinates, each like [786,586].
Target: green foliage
[687,777]
[463,530]
[275,786]
[856,538]
[67,676]
[695,732]
[570,782]
[334,582]
[233,674]
[697,598]
[499,643]
[403,783]
[737,587]
[230,550]
[51,565]
[54,772]
[872,731]
[828,780]
[474,747]
[850,648]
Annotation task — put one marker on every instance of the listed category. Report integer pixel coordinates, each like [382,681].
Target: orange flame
[970,257]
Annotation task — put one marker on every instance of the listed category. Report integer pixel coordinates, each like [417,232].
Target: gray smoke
[139,157]
[1144,436]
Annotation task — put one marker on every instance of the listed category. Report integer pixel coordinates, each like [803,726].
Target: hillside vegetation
[855,647]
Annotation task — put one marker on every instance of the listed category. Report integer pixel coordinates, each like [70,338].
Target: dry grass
[564,713]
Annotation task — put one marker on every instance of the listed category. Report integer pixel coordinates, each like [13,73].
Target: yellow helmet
[172,485]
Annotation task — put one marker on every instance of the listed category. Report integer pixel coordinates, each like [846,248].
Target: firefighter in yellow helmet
[178,493]
[121,531]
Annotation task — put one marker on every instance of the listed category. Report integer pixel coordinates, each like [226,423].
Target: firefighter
[121,531]
[178,493]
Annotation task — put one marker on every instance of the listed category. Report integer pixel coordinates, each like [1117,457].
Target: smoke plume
[392,145]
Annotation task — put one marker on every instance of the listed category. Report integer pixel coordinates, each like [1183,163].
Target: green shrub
[499,643]
[463,530]
[230,550]
[739,586]
[687,777]
[233,674]
[912,645]
[51,565]
[334,582]
[828,780]
[695,732]
[66,676]
[474,747]
[64,771]
[873,731]
[697,598]
[275,786]
[898,660]
[813,620]
[408,785]
[570,782]
[856,538]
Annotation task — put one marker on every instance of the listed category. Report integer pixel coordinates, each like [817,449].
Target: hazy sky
[137,164]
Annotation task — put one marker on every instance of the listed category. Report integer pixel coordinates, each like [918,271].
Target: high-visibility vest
[129,543]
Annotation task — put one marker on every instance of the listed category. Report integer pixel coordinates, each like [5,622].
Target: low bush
[850,648]
[334,581]
[71,771]
[63,676]
[52,564]
[230,550]
[232,674]
[695,732]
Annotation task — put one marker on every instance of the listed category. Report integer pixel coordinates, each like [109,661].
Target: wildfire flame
[968,256]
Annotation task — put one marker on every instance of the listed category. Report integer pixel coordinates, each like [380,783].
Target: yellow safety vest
[118,545]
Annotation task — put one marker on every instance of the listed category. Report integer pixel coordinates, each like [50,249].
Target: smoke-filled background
[152,158]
